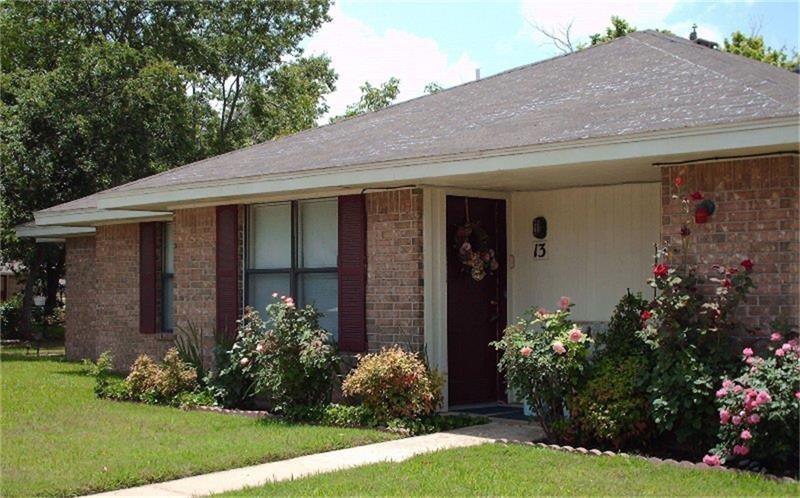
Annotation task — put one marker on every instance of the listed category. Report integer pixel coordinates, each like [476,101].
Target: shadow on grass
[23,356]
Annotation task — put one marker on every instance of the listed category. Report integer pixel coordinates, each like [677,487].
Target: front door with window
[476,300]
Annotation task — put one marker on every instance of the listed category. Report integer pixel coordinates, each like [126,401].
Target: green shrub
[621,339]
[189,343]
[10,314]
[102,371]
[288,359]
[394,384]
[611,408]
[544,356]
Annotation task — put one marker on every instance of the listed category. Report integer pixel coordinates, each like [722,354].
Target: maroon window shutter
[227,269]
[147,277]
[352,273]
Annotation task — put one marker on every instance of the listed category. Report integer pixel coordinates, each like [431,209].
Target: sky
[446,41]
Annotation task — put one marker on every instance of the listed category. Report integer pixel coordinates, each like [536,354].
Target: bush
[622,340]
[543,357]
[758,411]
[10,314]
[395,384]
[691,337]
[611,408]
[289,359]
[169,383]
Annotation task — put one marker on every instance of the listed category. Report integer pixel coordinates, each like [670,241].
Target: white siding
[600,243]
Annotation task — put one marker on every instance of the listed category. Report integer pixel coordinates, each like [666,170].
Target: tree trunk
[54,270]
[26,320]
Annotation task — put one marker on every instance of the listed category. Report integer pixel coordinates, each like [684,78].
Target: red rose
[696,196]
[747,264]
[678,181]
[701,216]
[660,270]
[646,315]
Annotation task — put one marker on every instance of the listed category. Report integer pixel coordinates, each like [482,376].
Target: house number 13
[540,250]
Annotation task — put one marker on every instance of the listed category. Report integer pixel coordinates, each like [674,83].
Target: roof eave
[88,217]
[655,146]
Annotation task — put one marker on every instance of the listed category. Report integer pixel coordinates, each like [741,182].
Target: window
[292,249]
[168,277]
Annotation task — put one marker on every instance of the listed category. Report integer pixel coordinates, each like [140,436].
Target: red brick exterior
[757,217]
[117,280]
[394,269]
[195,273]
[80,298]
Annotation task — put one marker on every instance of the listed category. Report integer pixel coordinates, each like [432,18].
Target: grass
[515,470]
[58,439]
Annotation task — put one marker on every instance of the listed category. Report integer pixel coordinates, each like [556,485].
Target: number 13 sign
[540,250]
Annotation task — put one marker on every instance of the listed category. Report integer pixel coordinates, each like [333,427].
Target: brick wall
[758,216]
[195,273]
[117,320]
[80,298]
[394,269]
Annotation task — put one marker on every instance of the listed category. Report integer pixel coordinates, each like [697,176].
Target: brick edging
[232,411]
[655,460]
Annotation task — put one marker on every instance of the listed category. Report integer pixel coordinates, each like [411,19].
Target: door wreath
[472,245]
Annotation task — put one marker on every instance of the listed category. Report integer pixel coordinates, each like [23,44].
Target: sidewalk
[394,451]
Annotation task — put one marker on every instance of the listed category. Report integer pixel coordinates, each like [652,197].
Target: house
[564,168]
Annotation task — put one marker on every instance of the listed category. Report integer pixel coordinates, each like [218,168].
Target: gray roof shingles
[644,82]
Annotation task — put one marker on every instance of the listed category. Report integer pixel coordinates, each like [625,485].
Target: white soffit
[90,217]
[51,233]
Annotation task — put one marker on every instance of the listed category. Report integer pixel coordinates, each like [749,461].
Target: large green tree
[97,93]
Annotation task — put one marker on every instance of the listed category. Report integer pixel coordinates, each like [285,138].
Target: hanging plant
[472,245]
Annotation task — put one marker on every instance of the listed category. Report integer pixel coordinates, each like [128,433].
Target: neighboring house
[361,217]
[10,283]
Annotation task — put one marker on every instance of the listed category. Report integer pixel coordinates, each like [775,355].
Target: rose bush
[543,358]
[758,410]
[692,338]
[288,359]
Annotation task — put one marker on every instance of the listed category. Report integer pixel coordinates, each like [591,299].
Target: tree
[619,27]
[754,47]
[433,87]
[98,93]
[372,98]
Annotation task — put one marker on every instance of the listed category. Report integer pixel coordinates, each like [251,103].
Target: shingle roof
[644,82]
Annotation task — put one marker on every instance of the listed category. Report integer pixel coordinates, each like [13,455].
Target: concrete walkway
[389,451]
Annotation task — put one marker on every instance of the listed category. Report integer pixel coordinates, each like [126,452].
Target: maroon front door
[476,309]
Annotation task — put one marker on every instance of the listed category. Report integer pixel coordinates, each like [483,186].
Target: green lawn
[515,470]
[58,439]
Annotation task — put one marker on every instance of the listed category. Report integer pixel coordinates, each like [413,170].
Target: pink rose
[775,337]
[754,419]
[541,311]
[724,416]
[564,303]
[526,351]
[274,294]
[575,335]
[721,393]
[740,450]
[780,352]
[737,388]
[244,361]
[746,435]
[747,352]
[712,460]
[260,348]
[466,247]
[786,347]
[763,397]
[749,360]
[727,383]
[797,395]
[559,348]
[736,419]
